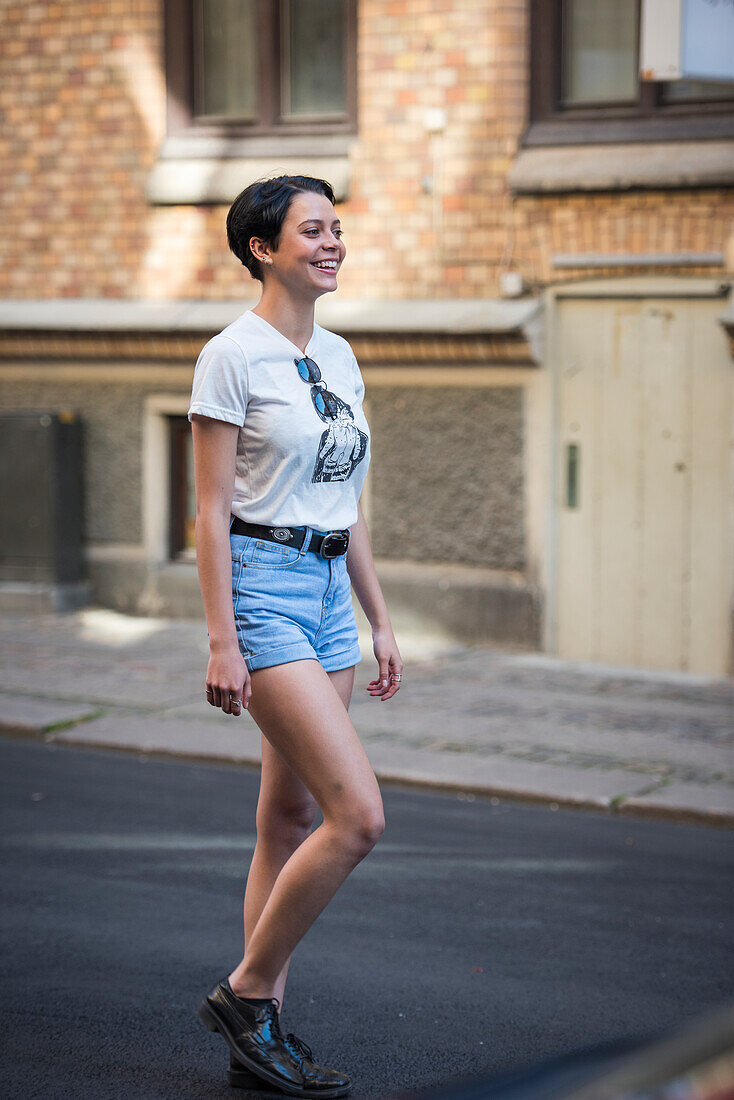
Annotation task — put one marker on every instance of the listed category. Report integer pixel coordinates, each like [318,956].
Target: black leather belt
[330,545]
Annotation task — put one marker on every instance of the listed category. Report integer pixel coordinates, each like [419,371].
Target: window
[599,42]
[585,85]
[183,497]
[245,68]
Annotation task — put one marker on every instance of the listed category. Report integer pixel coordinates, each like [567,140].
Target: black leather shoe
[241,1078]
[252,1032]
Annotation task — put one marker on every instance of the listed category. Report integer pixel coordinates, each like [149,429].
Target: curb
[629,808]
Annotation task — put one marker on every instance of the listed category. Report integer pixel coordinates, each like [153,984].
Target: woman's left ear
[261,259]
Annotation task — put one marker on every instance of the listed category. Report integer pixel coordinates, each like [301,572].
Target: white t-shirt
[295,467]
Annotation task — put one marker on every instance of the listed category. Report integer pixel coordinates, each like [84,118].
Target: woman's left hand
[391,666]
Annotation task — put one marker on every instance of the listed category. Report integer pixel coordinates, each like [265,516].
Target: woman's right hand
[228,683]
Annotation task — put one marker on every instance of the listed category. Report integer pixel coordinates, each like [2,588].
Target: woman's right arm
[215,452]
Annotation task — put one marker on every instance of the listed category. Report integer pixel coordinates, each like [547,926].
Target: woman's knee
[287,825]
[361,826]
[371,829]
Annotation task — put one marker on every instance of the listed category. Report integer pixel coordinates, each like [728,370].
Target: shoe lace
[298,1046]
[274,1007]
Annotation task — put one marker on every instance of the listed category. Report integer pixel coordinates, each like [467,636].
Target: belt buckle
[338,538]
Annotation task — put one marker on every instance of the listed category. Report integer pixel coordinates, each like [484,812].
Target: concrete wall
[447,480]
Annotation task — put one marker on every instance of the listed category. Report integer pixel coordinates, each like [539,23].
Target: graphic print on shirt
[342,446]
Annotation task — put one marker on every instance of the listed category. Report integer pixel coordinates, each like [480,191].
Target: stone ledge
[663,165]
[441,331]
[216,180]
[118,315]
[364,315]
[20,598]
[193,144]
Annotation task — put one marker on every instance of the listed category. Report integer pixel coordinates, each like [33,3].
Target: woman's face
[310,249]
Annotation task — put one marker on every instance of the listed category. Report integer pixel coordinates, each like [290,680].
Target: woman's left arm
[361,569]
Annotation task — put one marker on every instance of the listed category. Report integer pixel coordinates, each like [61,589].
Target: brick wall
[643,221]
[83,100]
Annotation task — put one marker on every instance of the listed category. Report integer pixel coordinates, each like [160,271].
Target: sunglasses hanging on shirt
[325,401]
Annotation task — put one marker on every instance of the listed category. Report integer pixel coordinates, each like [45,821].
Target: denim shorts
[292,604]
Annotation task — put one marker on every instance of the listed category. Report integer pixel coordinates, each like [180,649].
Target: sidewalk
[471,719]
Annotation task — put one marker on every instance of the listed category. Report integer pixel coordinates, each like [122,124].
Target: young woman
[281,448]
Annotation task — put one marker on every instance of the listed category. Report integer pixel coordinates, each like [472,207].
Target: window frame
[180,63]
[647,119]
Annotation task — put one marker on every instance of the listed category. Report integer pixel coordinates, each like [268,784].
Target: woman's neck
[294,319]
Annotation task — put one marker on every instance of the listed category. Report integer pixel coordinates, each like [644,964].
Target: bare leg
[300,711]
[285,814]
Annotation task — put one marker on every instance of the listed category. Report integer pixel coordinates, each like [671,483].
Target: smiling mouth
[325,265]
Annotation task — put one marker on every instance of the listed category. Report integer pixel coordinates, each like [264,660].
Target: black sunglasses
[325,401]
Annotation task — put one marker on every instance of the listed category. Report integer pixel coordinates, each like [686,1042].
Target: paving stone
[23,714]
[196,710]
[235,739]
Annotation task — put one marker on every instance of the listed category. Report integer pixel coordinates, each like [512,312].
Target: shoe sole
[243,1079]
[212,1022]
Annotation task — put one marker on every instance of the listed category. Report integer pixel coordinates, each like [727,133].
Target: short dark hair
[260,210]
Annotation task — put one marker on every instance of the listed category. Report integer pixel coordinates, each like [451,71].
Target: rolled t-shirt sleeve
[220,388]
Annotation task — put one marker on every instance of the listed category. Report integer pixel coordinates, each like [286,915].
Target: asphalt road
[475,937]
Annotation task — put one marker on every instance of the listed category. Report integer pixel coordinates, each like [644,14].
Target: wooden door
[643,486]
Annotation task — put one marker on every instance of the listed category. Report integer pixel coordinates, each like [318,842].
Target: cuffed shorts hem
[302,651]
[281,655]
[345,659]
